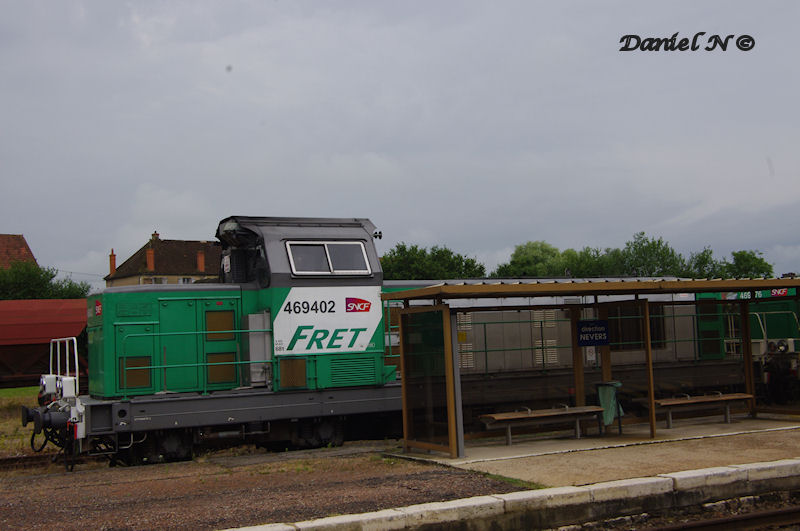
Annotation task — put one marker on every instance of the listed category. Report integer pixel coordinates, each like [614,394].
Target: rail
[780,518]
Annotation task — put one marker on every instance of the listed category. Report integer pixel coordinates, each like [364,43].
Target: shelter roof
[25,322]
[14,248]
[461,289]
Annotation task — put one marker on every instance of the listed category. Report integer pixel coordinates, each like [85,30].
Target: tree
[411,262]
[704,265]
[26,280]
[592,262]
[612,263]
[540,259]
[643,256]
[647,257]
[533,259]
[747,264]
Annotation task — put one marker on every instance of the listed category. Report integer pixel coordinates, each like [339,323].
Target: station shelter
[432,340]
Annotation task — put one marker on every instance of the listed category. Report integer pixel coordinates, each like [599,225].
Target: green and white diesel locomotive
[287,346]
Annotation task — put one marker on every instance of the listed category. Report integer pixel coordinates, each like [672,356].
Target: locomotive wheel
[174,445]
[330,432]
[319,432]
[157,447]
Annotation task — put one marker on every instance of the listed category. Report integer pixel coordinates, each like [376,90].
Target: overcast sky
[475,125]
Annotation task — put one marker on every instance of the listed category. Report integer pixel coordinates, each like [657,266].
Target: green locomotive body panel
[147,340]
[773,316]
[298,308]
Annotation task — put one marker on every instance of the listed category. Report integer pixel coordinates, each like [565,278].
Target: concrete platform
[746,458]
[495,449]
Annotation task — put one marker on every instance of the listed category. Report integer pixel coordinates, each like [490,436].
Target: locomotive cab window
[328,258]
[309,259]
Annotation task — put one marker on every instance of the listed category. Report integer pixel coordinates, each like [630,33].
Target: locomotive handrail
[196,332]
[187,365]
[776,312]
[66,341]
[125,354]
[761,325]
[164,367]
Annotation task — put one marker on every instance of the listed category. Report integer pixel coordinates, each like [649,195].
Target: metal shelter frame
[435,297]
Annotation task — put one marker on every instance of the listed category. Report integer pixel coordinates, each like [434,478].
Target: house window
[328,258]
[185,280]
[625,326]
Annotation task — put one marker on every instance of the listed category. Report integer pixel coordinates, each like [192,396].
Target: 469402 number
[310,307]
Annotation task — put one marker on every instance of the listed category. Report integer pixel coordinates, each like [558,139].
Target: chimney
[151,259]
[201,261]
[112,262]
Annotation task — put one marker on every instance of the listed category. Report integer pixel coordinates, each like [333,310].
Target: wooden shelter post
[403,401]
[577,359]
[648,349]
[605,350]
[449,361]
[747,354]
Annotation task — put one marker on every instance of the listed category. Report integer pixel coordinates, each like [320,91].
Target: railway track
[25,462]
[778,518]
[221,457]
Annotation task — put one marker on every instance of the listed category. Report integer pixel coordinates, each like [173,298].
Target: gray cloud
[478,126]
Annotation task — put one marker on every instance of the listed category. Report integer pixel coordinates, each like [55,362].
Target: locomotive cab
[316,283]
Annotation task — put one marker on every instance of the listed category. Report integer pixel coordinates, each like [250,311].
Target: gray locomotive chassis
[231,408]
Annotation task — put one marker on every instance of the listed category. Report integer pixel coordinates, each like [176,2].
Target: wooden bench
[701,402]
[543,416]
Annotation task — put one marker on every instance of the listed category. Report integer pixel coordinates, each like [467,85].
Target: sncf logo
[353,304]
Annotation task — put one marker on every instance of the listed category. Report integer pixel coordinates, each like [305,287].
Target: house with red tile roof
[14,248]
[166,262]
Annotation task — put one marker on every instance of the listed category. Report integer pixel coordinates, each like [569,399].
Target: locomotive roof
[273,235]
[271,228]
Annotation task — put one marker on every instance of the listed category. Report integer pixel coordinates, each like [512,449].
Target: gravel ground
[219,491]
[249,487]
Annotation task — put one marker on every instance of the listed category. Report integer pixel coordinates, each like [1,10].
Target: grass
[19,392]
[14,439]
[529,485]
